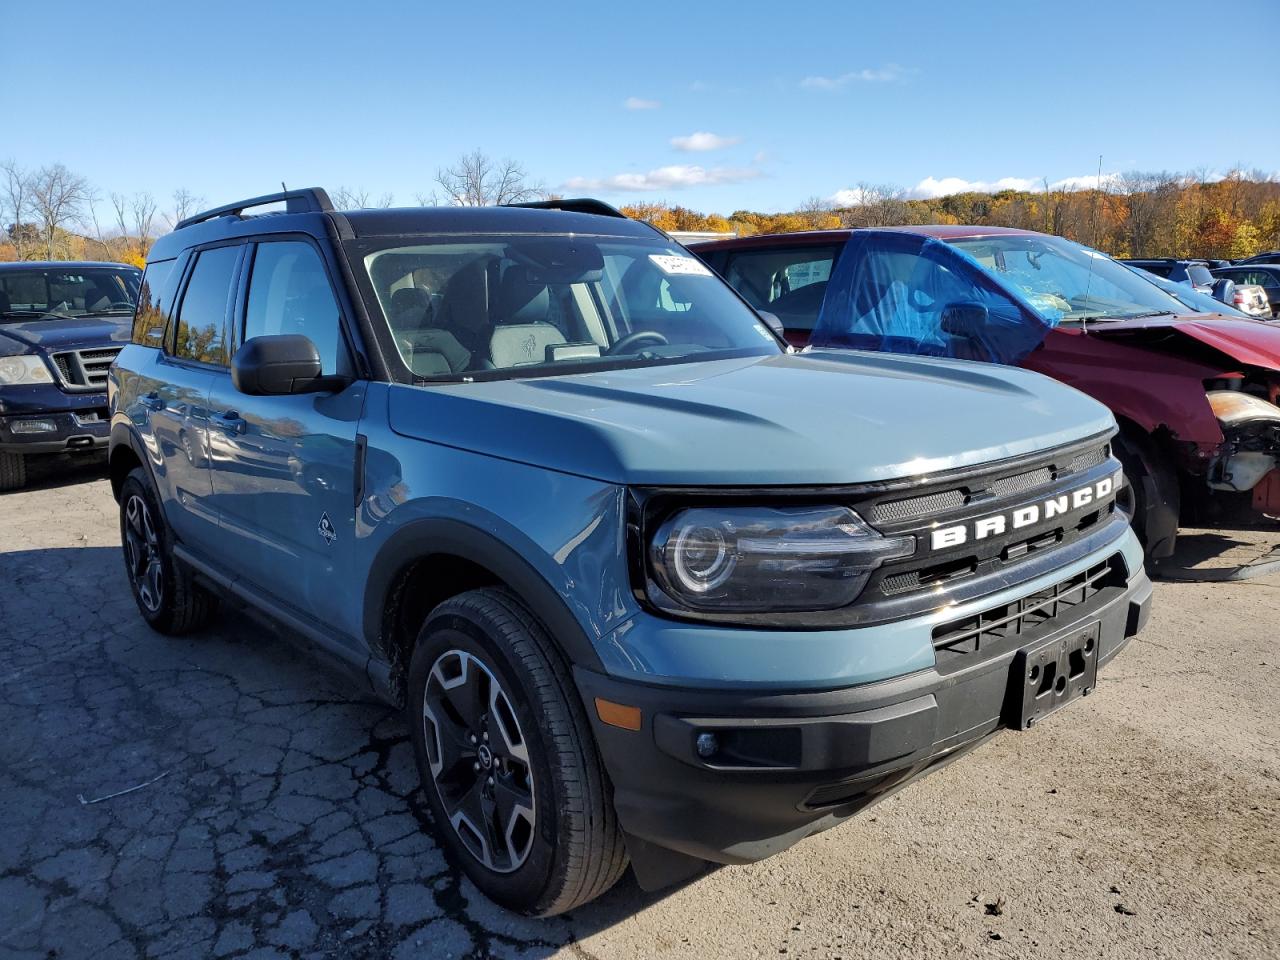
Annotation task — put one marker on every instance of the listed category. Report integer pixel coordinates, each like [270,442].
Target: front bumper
[789,764]
[80,421]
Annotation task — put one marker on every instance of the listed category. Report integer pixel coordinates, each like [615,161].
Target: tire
[167,596]
[1152,497]
[13,471]
[486,685]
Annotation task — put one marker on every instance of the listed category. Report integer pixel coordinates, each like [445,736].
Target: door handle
[152,402]
[233,423]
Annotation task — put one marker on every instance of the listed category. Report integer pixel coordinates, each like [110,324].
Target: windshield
[1065,282]
[52,292]
[1189,299]
[518,306]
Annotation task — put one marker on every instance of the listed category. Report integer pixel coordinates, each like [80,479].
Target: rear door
[195,348]
[284,477]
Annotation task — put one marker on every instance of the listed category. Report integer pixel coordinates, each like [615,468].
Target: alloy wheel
[142,551]
[479,760]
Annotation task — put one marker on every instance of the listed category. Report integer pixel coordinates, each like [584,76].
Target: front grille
[1041,609]
[85,370]
[989,493]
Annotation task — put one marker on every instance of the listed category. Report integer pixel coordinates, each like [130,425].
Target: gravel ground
[274,815]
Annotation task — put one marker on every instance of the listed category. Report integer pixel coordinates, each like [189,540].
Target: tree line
[1135,214]
[53,213]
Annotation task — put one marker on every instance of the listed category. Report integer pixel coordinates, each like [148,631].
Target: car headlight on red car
[765,559]
[24,369]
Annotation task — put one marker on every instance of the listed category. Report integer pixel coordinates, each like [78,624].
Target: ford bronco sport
[650,587]
[61,325]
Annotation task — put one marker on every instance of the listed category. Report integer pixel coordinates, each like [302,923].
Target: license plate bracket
[1048,676]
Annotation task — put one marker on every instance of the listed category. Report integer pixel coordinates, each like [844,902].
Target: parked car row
[652,586]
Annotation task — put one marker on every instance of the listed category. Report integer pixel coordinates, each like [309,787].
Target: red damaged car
[1195,394]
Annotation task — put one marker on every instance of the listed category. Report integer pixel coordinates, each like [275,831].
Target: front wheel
[508,762]
[1151,495]
[13,471]
[164,590]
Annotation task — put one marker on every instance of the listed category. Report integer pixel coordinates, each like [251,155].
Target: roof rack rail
[306,200]
[578,205]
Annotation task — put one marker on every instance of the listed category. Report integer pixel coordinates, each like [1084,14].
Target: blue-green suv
[651,588]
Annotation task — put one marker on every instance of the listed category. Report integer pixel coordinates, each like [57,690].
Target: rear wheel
[13,471]
[1151,495]
[507,758]
[167,596]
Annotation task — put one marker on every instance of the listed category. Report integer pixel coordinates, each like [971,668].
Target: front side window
[789,283]
[53,292]
[289,292]
[202,316]
[1064,281]
[502,307]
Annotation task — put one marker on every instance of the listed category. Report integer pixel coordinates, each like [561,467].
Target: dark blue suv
[61,326]
[651,587]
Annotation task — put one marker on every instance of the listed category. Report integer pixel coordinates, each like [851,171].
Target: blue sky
[717,106]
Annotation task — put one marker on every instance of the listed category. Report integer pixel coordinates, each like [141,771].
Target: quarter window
[153,304]
[289,292]
[203,314]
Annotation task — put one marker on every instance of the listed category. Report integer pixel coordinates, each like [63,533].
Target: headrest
[521,300]
[465,300]
[409,301]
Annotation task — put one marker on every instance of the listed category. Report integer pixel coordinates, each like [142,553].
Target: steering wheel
[640,336]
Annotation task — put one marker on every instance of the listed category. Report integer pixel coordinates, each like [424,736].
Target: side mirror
[772,322]
[966,318]
[1224,290]
[277,365]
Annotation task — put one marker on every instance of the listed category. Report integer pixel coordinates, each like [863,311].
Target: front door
[283,467]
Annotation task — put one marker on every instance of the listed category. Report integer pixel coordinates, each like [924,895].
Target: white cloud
[640,103]
[890,73]
[674,177]
[702,141]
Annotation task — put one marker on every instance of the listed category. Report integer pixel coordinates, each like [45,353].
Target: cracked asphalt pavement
[224,796]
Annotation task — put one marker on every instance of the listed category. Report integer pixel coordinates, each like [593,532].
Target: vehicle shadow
[301,791]
[1223,553]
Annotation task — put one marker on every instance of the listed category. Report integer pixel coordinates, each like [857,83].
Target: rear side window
[1199,274]
[289,292]
[202,317]
[153,304]
[789,283]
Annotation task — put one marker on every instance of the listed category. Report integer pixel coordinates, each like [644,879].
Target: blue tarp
[906,293]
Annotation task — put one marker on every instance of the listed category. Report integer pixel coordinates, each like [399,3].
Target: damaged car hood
[1252,342]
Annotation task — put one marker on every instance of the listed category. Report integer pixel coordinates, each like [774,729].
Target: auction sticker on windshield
[686,266]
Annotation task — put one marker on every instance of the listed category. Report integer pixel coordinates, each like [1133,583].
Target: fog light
[707,745]
[33,426]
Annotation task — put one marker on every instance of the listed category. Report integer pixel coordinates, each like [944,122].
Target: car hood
[67,333]
[823,417]
[1254,342]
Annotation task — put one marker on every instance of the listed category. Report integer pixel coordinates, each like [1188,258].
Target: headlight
[766,559]
[1232,407]
[24,369]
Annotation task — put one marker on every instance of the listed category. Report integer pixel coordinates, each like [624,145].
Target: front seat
[522,333]
[464,305]
[410,309]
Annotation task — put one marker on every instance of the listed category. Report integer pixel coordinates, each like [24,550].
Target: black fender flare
[122,436]
[428,536]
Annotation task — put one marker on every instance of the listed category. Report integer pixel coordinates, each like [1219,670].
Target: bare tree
[185,203]
[345,199]
[816,211]
[58,199]
[15,204]
[143,210]
[477,180]
[875,205]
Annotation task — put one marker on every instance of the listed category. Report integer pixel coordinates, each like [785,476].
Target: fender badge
[325,529]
